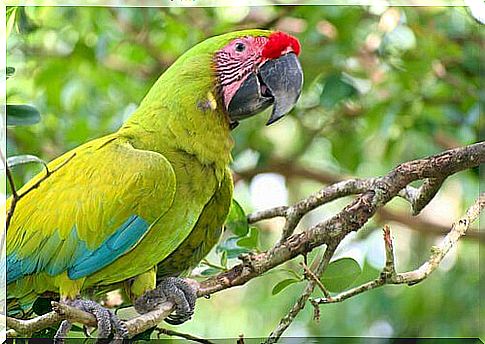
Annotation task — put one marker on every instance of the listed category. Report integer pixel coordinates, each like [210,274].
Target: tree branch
[169,332]
[419,198]
[351,218]
[389,275]
[62,311]
[373,194]
[290,170]
[300,303]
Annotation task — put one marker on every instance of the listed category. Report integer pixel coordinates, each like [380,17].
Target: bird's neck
[181,112]
[196,129]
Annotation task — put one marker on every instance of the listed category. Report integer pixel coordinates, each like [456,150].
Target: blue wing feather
[120,242]
[81,261]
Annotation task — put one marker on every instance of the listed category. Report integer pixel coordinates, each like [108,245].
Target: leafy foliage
[280,286]
[341,274]
[236,221]
[22,115]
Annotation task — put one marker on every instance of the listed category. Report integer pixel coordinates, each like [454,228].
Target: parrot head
[258,69]
[232,76]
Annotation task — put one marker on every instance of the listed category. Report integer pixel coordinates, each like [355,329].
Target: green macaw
[153,196]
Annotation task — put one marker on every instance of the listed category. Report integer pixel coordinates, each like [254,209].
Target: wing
[96,206]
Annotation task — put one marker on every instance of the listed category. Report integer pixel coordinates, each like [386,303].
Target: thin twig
[17,196]
[268,214]
[187,336]
[421,196]
[390,267]
[300,303]
[319,198]
[295,213]
[13,190]
[319,283]
[291,170]
[212,265]
[438,252]
[62,311]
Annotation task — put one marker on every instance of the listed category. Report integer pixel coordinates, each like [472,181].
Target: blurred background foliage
[382,85]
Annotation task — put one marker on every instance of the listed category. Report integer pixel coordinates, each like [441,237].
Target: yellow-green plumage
[151,197]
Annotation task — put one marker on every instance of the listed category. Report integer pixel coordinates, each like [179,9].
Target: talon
[108,322]
[173,289]
[62,332]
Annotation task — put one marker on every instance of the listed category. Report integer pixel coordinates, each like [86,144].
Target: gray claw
[173,289]
[107,321]
[62,332]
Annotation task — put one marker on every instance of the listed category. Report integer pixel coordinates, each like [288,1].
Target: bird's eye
[240,47]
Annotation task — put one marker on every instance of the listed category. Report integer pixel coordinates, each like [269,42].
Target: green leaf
[349,156]
[224,259]
[76,328]
[49,332]
[10,72]
[291,272]
[283,284]
[340,274]
[11,13]
[336,89]
[22,115]
[250,241]
[24,159]
[210,272]
[232,248]
[10,10]
[236,220]
[24,24]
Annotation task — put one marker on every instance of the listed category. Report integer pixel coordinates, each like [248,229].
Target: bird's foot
[108,322]
[173,289]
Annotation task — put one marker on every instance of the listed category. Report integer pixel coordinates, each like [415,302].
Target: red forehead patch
[278,42]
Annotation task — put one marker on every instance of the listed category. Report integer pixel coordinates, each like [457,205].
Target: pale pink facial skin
[236,61]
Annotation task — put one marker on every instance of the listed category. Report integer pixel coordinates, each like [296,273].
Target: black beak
[278,82]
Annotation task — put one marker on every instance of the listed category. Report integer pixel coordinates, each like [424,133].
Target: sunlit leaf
[210,272]
[76,328]
[236,220]
[24,23]
[10,20]
[283,284]
[291,272]
[251,240]
[232,248]
[340,274]
[224,258]
[22,115]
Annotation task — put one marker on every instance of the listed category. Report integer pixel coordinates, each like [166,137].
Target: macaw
[152,197]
